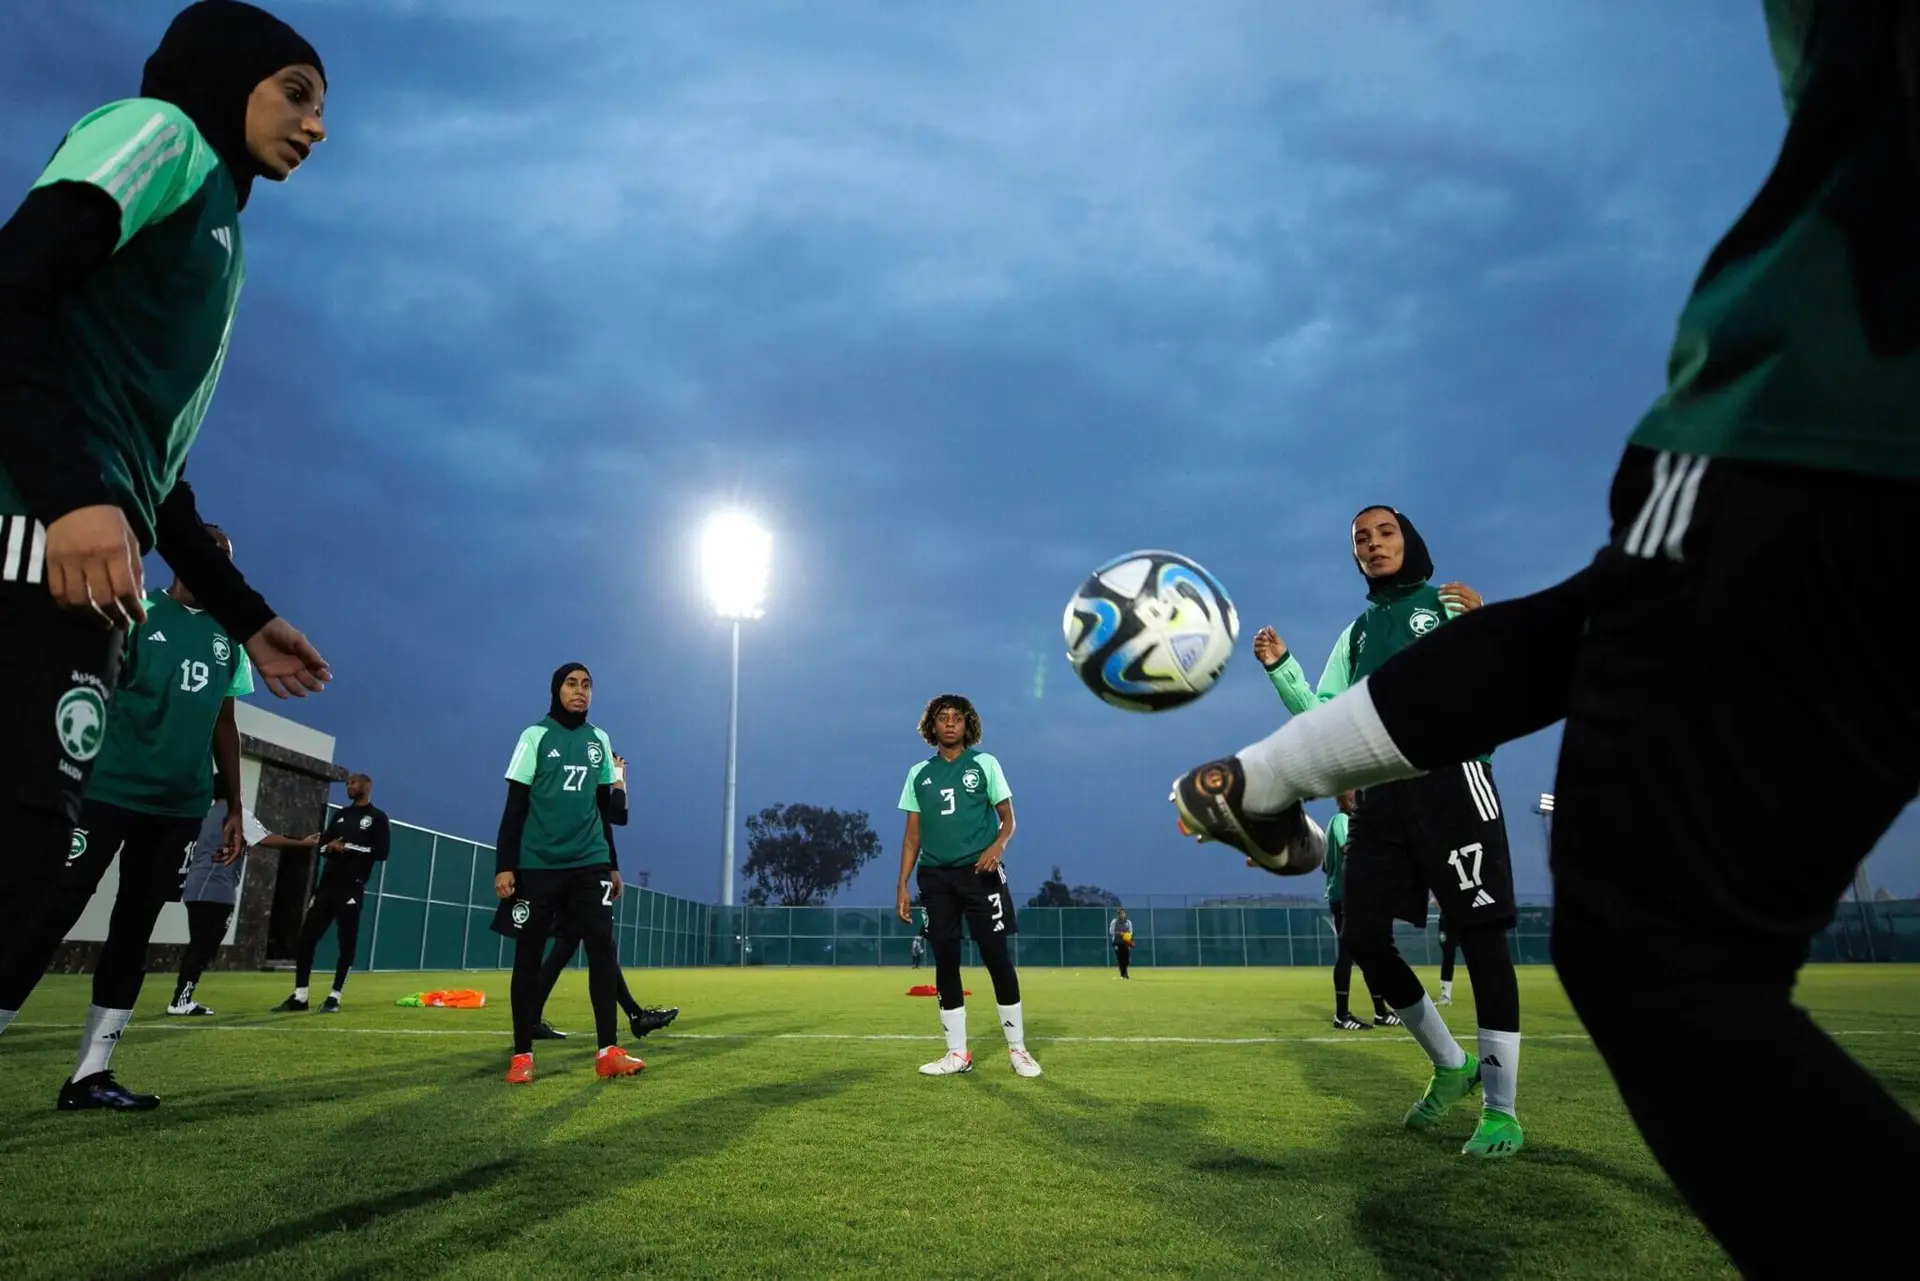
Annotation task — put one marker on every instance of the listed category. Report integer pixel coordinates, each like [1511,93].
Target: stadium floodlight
[736,555]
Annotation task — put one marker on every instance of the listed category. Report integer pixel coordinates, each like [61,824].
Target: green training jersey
[956,802]
[1801,343]
[179,670]
[1334,862]
[563,769]
[143,338]
[1395,618]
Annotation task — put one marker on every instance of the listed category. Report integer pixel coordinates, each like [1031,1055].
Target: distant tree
[802,855]
[1055,892]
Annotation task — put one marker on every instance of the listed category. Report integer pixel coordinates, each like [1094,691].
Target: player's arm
[181,537]
[1289,679]
[226,785]
[1002,798]
[909,845]
[603,799]
[513,819]
[380,840]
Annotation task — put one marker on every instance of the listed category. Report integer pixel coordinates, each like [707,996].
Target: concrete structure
[286,776]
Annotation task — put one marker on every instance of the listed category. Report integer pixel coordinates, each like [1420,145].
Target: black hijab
[214,54]
[565,718]
[1415,568]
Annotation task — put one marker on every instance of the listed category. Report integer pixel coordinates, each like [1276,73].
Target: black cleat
[292,1005]
[1347,1023]
[330,1006]
[1209,800]
[101,1091]
[544,1031]
[650,1019]
[1389,1019]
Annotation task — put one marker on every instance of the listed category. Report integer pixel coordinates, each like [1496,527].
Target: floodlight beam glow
[736,555]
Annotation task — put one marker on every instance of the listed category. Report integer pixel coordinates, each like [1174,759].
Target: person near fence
[959,819]
[210,893]
[355,842]
[1782,463]
[1441,832]
[1449,948]
[557,867]
[170,746]
[119,274]
[1120,930]
[643,1019]
[1334,864]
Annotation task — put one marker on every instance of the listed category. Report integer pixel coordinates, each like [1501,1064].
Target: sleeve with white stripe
[146,154]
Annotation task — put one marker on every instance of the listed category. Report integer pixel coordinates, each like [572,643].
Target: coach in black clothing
[355,840]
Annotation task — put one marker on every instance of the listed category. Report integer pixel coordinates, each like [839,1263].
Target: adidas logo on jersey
[1483,899]
[553,753]
[157,636]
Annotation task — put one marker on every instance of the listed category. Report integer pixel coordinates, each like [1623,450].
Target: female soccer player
[959,820]
[119,275]
[556,867]
[1441,832]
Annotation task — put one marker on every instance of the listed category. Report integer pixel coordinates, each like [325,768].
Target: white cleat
[1446,1000]
[948,1064]
[1023,1064]
[192,1008]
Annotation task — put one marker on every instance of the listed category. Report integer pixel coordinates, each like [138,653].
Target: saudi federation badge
[1423,621]
[522,912]
[80,719]
[222,651]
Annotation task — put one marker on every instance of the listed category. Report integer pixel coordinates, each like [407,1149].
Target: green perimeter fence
[433,906]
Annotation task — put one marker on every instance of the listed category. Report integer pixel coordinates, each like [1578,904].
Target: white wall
[172,926]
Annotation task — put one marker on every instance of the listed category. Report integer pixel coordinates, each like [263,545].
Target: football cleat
[614,1061]
[1389,1019]
[292,1005]
[330,1006]
[948,1064]
[101,1091]
[545,1031]
[520,1070]
[1210,804]
[1497,1135]
[192,1009]
[1347,1023]
[650,1019]
[1445,1088]
[1023,1064]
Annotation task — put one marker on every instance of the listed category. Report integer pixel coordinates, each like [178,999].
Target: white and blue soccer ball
[1150,631]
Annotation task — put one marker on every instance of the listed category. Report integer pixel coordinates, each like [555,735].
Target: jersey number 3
[946,794]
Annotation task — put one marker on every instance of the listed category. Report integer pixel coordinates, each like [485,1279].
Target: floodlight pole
[733,748]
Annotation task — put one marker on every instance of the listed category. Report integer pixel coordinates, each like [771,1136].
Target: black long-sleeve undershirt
[611,801]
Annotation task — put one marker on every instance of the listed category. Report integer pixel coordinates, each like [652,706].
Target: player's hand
[1460,598]
[620,771]
[903,903]
[336,845]
[503,885]
[233,838]
[990,859]
[1268,647]
[287,661]
[619,887]
[93,566]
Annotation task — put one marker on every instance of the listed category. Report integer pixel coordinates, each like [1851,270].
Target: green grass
[755,1144]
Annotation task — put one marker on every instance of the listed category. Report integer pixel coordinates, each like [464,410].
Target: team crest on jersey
[971,780]
[593,753]
[222,651]
[80,719]
[366,821]
[522,912]
[77,847]
[1423,621]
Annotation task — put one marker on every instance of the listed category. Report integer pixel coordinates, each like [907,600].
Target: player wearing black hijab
[119,275]
[1441,832]
[556,867]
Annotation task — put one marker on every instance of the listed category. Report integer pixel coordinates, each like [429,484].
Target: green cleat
[1447,1087]
[1497,1135]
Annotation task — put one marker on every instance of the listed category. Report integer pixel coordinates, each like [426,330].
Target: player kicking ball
[557,867]
[959,820]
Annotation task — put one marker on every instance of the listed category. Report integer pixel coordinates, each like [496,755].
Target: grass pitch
[1191,1123]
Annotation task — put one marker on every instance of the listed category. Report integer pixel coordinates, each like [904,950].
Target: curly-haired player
[959,820]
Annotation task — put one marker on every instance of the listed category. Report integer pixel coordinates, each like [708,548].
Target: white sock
[1499,1069]
[1333,748]
[334,995]
[1014,1025]
[97,1042]
[6,1017]
[299,994]
[1446,987]
[954,1024]
[1428,1028]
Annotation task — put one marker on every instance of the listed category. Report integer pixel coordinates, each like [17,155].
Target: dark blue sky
[963,300]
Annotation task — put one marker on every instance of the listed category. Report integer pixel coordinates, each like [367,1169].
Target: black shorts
[57,673]
[1742,659]
[982,899]
[154,852]
[572,901]
[1441,832]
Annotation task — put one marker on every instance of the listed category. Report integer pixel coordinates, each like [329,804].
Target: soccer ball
[1150,631]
